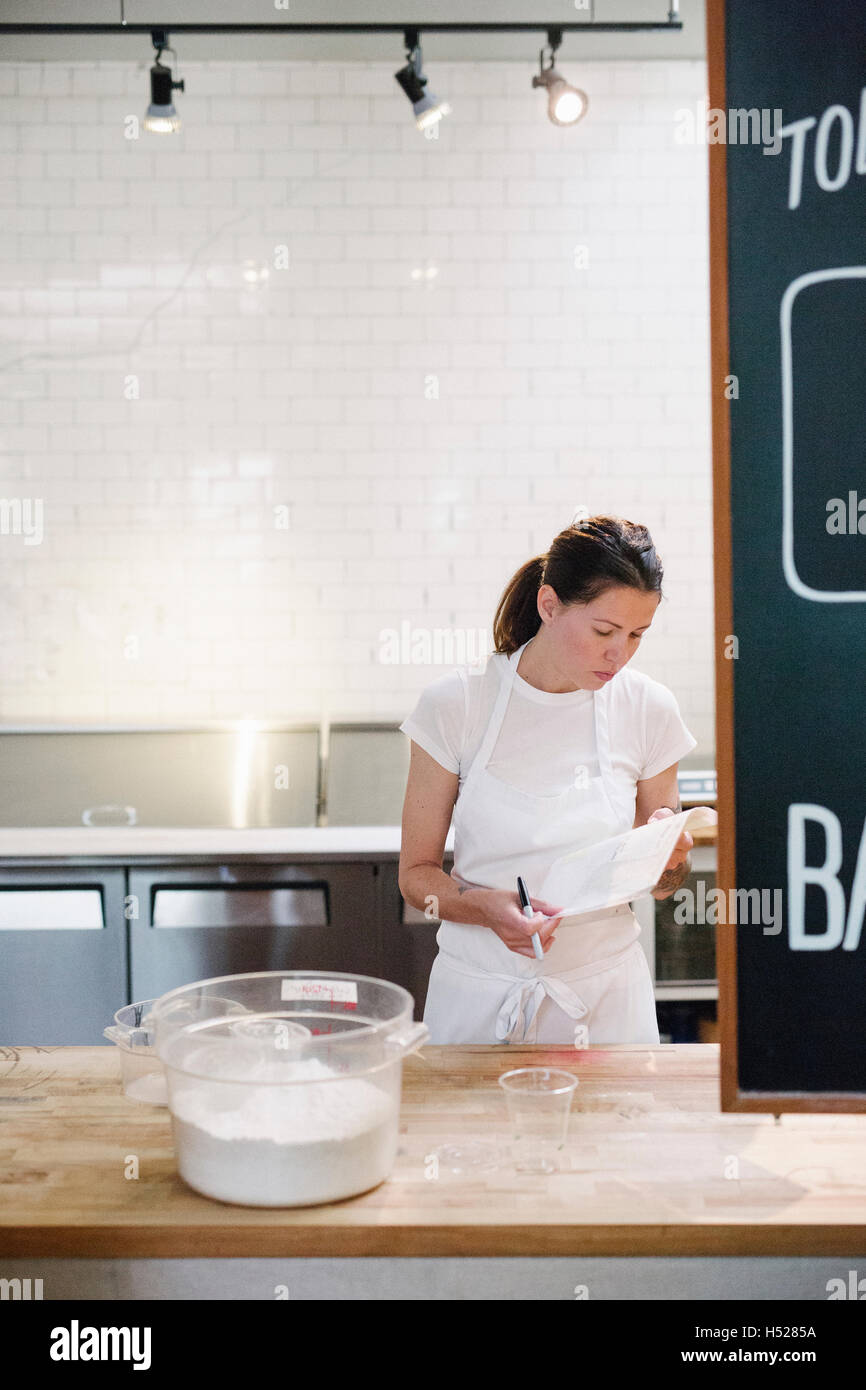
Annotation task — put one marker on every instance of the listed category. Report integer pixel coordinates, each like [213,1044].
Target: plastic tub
[298,1103]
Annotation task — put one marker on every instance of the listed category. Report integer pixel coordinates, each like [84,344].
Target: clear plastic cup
[539,1103]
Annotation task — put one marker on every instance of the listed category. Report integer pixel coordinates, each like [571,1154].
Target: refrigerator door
[62,954]
[194,923]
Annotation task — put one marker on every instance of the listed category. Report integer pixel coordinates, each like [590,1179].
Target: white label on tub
[339,991]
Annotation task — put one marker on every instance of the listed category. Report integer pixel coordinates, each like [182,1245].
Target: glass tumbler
[539,1102]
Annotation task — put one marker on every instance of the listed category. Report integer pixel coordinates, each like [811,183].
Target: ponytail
[517,618]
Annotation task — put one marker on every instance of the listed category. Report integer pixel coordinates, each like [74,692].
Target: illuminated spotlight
[427,108]
[161,117]
[253,273]
[565,104]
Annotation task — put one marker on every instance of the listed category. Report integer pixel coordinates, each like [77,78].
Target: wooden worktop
[650,1168]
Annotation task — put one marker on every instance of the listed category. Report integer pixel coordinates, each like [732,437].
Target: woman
[552,745]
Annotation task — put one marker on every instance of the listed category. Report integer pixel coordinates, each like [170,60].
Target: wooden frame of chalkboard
[829,1080]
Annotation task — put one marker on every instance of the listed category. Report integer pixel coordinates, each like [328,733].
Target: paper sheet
[619,869]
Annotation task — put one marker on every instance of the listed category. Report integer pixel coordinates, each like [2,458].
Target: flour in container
[318,1139]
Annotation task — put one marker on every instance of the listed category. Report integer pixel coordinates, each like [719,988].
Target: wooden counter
[650,1168]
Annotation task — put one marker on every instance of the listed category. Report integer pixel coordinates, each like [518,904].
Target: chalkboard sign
[788,270]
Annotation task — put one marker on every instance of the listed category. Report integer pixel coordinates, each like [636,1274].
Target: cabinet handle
[128,812]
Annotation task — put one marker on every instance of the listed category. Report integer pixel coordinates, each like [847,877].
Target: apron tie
[517,1020]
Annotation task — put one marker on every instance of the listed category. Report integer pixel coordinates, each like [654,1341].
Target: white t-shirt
[545,735]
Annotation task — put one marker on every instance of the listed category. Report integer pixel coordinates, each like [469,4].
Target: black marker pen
[527,912]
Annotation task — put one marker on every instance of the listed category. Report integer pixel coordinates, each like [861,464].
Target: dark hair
[584,561]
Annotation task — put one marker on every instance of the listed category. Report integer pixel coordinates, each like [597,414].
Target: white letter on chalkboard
[798,130]
[824,875]
[846,148]
[857,905]
[860,159]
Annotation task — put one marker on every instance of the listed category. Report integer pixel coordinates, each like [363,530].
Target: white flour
[285,1145]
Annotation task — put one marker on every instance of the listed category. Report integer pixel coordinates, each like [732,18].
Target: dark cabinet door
[196,922]
[62,954]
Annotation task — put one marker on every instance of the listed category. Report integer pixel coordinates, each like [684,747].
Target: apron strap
[601,701]
[491,733]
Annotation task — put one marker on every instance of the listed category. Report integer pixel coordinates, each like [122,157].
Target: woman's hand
[501,912]
[683,844]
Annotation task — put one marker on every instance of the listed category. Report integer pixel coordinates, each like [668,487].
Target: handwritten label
[331,991]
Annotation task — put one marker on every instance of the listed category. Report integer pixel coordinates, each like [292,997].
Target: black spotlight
[161,116]
[427,108]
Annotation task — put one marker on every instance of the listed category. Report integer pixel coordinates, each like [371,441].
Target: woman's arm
[661,793]
[430,795]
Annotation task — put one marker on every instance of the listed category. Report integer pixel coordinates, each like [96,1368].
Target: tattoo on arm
[672,878]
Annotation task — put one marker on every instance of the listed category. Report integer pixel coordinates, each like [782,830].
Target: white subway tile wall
[299,377]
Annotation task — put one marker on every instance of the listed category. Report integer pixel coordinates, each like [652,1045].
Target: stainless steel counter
[127,843]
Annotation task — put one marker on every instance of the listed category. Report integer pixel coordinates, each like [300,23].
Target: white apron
[594,977]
